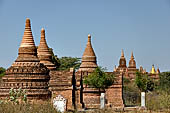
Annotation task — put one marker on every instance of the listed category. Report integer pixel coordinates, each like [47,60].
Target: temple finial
[42,33]
[27,23]
[89,38]
[132,57]
[122,53]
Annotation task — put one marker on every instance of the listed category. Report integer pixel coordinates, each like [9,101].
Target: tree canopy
[2,71]
[144,82]
[65,63]
[69,62]
[99,79]
[164,81]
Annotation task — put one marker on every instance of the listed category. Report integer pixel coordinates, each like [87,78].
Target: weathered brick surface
[27,72]
[91,96]
[67,94]
[61,84]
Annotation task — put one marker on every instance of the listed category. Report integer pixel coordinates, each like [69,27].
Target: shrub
[144,82]
[2,71]
[99,79]
[164,81]
[158,101]
[16,95]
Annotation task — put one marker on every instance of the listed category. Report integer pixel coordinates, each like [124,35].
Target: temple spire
[153,70]
[44,54]
[122,61]
[43,47]
[27,50]
[132,57]
[158,71]
[89,62]
[89,49]
[122,53]
[27,40]
[132,62]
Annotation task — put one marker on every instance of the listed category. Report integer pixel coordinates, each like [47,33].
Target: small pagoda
[27,72]
[132,67]
[122,63]
[89,62]
[44,54]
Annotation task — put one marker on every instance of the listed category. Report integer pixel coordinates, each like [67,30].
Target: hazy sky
[141,26]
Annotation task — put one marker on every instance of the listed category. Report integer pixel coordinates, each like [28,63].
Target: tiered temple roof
[27,72]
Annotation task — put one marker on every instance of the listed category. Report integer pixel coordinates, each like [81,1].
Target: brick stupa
[27,72]
[89,62]
[131,68]
[132,63]
[122,63]
[44,54]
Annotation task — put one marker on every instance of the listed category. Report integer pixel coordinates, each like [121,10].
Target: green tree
[65,63]
[2,71]
[164,81]
[144,82]
[99,79]
[55,59]
[69,62]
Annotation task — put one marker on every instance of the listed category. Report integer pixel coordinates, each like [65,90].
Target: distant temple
[130,71]
[34,71]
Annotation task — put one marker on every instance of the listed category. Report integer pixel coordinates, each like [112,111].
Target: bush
[99,79]
[164,81]
[2,71]
[158,101]
[144,82]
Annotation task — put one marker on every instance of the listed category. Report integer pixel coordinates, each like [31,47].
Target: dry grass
[48,108]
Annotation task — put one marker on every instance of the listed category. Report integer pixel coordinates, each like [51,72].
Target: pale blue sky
[141,26]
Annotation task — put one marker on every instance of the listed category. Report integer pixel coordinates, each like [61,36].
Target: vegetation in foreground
[157,92]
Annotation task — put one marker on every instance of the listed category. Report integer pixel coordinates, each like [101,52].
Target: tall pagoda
[27,72]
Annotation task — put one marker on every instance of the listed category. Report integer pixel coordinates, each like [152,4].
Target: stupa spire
[89,61]
[132,57]
[43,47]
[122,53]
[158,71]
[27,49]
[44,54]
[153,70]
[89,49]
[132,62]
[27,40]
[122,61]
